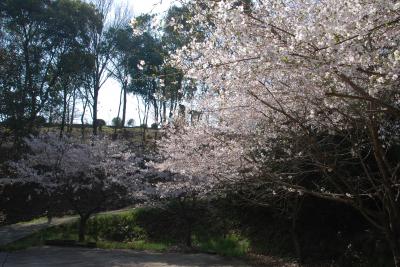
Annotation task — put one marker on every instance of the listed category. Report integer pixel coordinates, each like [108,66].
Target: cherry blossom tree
[303,97]
[89,175]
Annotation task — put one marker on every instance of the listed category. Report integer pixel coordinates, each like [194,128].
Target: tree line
[56,56]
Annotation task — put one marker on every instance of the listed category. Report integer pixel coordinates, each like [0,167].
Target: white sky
[109,93]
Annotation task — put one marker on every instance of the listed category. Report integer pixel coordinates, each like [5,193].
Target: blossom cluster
[279,68]
[56,163]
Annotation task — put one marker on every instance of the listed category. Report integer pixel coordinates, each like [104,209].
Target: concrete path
[82,257]
[14,232]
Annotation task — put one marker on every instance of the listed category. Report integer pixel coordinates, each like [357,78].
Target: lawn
[123,230]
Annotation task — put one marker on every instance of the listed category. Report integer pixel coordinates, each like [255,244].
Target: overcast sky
[109,93]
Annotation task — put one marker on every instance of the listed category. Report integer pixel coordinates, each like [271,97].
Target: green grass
[38,239]
[232,245]
[120,231]
[35,221]
[137,245]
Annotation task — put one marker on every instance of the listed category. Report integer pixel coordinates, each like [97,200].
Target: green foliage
[117,122]
[138,245]
[121,228]
[233,245]
[43,43]
[131,122]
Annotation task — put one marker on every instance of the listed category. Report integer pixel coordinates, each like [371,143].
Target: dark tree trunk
[296,242]
[124,107]
[295,209]
[145,119]
[155,110]
[51,115]
[186,216]
[119,111]
[189,235]
[95,99]
[64,112]
[82,227]
[394,244]
[82,119]
[164,105]
[72,111]
[396,254]
[171,109]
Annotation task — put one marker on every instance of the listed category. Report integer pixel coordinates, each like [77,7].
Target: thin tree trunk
[83,119]
[171,109]
[124,106]
[155,111]
[64,112]
[51,115]
[164,105]
[119,111]
[95,100]
[139,113]
[72,111]
[394,247]
[146,116]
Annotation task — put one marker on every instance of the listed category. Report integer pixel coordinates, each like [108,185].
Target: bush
[131,122]
[232,245]
[119,228]
[117,122]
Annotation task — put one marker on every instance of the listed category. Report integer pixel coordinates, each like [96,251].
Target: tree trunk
[146,116]
[155,111]
[138,109]
[82,119]
[171,109]
[189,236]
[95,99]
[64,112]
[119,111]
[124,107]
[82,227]
[72,111]
[188,221]
[394,243]
[296,242]
[296,206]
[164,108]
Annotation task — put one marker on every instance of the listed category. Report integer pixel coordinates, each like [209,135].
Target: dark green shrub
[121,228]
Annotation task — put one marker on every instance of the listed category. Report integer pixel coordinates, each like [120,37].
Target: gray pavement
[82,257]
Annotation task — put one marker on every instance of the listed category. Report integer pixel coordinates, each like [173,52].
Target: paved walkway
[82,257]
